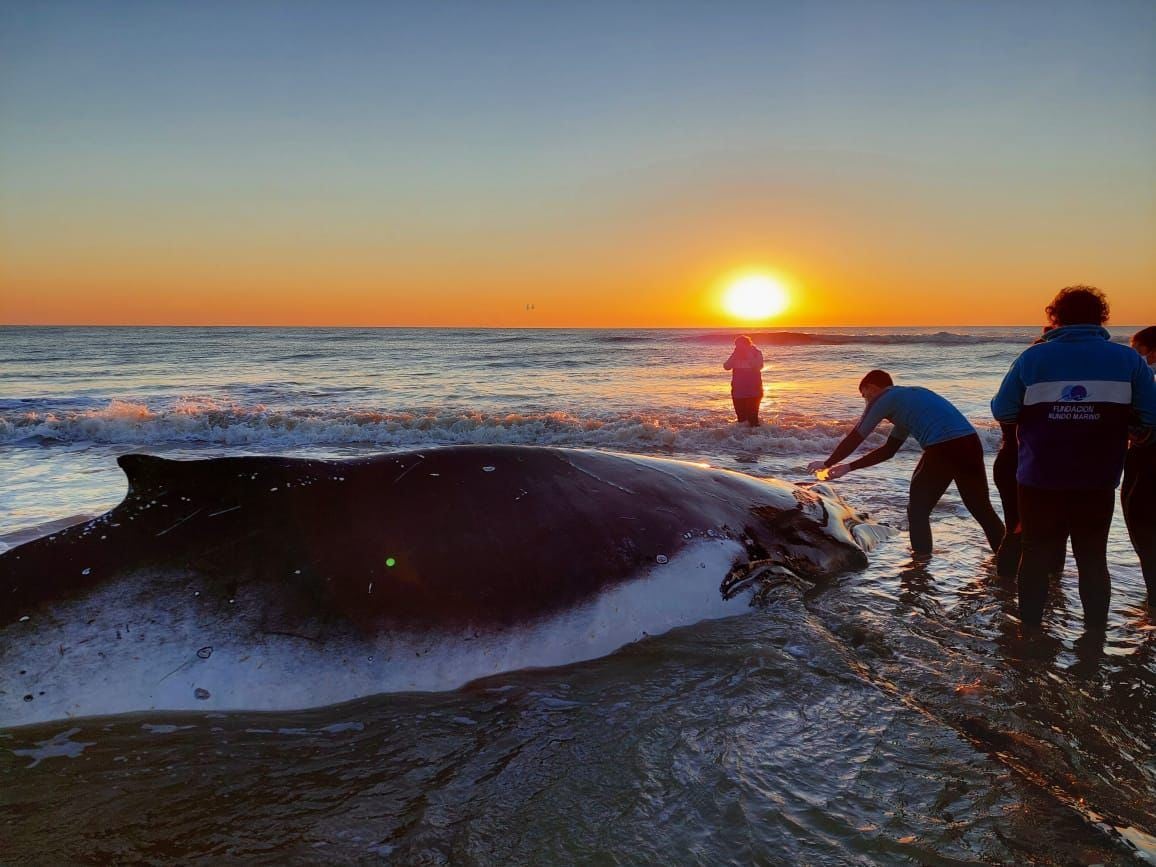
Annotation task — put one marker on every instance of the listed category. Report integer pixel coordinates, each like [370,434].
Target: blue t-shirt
[915,411]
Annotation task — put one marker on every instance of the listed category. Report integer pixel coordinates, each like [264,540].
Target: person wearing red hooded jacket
[745,365]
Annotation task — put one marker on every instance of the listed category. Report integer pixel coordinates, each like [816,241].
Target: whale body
[266,583]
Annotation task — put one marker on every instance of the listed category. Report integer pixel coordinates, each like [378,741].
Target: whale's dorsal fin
[145,472]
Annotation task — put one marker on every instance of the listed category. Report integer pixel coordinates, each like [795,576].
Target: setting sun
[756,296]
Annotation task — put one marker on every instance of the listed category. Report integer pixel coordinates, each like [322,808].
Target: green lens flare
[390,562]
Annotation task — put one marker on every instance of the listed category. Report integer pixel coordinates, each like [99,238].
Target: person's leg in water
[1138,499]
[1007,558]
[747,410]
[753,411]
[928,483]
[740,408]
[1044,524]
[1089,528]
[971,480]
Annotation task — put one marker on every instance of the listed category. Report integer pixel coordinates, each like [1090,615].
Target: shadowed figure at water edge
[1138,491]
[1003,471]
[952,452]
[745,364]
[1072,397]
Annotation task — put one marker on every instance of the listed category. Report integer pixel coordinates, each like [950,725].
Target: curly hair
[1078,305]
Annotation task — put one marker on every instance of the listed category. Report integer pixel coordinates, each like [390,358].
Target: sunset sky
[613,164]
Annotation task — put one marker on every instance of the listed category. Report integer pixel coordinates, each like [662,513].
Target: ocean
[893,717]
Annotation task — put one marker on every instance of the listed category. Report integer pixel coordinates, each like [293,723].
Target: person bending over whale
[746,380]
[951,452]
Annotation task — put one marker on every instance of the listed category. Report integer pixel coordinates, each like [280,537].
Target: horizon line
[520,327]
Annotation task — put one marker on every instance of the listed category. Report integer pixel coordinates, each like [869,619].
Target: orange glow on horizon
[660,286]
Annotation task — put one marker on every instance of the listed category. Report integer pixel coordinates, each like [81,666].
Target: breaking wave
[204,421]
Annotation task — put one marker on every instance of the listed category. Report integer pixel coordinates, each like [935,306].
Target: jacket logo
[1074,392]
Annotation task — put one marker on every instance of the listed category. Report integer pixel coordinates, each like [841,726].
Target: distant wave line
[804,338]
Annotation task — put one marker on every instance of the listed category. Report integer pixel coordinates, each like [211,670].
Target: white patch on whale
[57,747]
[133,645]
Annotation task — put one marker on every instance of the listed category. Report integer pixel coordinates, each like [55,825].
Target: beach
[894,715]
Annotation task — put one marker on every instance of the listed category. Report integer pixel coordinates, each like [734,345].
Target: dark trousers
[1048,519]
[1007,558]
[1138,499]
[747,409]
[959,460]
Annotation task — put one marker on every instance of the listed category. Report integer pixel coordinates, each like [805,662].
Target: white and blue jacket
[1073,396]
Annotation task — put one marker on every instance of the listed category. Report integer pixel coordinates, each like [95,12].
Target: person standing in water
[745,365]
[1007,558]
[952,452]
[1072,397]
[1138,493]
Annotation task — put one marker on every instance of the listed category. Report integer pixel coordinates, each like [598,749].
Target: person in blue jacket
[951,452]
[745,365]
[1138,491]
[1072,397]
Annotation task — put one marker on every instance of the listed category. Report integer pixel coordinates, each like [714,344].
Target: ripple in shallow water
[800,733]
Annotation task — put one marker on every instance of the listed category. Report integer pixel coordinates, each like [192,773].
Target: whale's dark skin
[475,535]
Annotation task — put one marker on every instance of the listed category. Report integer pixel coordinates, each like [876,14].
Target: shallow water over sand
[893,715]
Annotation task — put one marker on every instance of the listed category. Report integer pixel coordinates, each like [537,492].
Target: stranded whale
[268,583]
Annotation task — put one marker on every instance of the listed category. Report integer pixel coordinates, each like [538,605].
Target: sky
[612,164]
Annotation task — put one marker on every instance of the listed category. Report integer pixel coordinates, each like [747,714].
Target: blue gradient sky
[442,163]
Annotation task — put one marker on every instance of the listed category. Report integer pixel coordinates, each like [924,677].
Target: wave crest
[205,421]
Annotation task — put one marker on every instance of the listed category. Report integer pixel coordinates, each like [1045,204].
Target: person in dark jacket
[1138,492]
[1003,471]
[951,452]
[1072,397]
[746,380]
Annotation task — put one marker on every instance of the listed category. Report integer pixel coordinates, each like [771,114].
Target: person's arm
[870,419]
[850,442]
[1009,400]
[881,454]
[758,365]
[729,363]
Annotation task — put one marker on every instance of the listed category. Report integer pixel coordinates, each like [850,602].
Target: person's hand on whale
[815,466]
[829,474]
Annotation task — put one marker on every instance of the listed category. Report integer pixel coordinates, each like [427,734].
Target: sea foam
[206,422]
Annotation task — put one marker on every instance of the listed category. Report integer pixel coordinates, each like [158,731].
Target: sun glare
[756,296]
